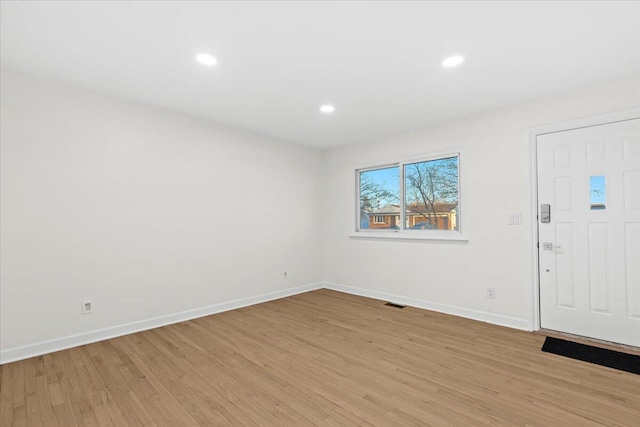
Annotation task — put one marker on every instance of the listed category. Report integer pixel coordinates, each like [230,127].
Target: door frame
[617,116]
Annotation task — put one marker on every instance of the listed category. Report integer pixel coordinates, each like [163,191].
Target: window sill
[399,235]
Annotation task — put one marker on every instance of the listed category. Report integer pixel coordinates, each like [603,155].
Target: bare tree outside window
[431,188]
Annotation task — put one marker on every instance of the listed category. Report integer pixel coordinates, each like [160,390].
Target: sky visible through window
[597,187]
[388,179]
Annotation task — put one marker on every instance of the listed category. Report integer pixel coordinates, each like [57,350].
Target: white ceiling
[379,63]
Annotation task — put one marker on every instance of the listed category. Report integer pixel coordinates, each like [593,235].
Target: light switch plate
[515,219]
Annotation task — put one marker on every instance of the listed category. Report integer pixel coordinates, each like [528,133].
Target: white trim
[443,235]
[534,294]
[50,346]
[409,158]
[601,119]
[44,347]
[613,117]
[483,316]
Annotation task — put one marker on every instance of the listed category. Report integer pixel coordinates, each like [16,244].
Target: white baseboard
[37,349]
[483,316]
[50,346]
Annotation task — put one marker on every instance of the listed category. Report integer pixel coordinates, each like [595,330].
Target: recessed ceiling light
[453,61]
[206,59]
[327,109]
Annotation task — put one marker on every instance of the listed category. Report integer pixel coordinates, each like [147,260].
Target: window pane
[431,195]
[380,198]
[597,186]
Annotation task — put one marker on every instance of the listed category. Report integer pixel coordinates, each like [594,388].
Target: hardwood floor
[320,358]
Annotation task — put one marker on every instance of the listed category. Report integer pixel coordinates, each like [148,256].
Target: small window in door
[598,192]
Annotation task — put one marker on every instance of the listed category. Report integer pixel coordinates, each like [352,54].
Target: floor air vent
[390,304]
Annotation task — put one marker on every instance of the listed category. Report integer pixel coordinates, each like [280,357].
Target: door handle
[547,246]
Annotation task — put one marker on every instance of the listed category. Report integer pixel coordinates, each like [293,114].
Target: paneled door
[589,231]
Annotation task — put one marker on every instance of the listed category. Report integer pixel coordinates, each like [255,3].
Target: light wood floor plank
[317,359]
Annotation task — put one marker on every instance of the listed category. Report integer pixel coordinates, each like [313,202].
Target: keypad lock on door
[545,213]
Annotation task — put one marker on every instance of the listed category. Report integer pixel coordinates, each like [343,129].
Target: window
[412,199]
[379,197]
[597,187]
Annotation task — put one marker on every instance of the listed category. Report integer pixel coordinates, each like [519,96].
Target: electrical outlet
[284,276]
[87,307]
[491,293]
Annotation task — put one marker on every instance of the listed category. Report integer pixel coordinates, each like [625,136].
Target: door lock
[545,213]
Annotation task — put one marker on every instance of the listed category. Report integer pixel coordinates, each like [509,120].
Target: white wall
[157,216]
[146,212]
[453,276]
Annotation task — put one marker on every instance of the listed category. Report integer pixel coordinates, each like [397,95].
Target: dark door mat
[599,356]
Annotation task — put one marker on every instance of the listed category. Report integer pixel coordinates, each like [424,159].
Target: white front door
[589,250]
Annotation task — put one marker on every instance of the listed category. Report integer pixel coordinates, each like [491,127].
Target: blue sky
[389,178]
[597,185]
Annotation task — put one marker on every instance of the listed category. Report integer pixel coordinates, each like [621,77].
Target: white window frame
[408,234]
[375,219]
